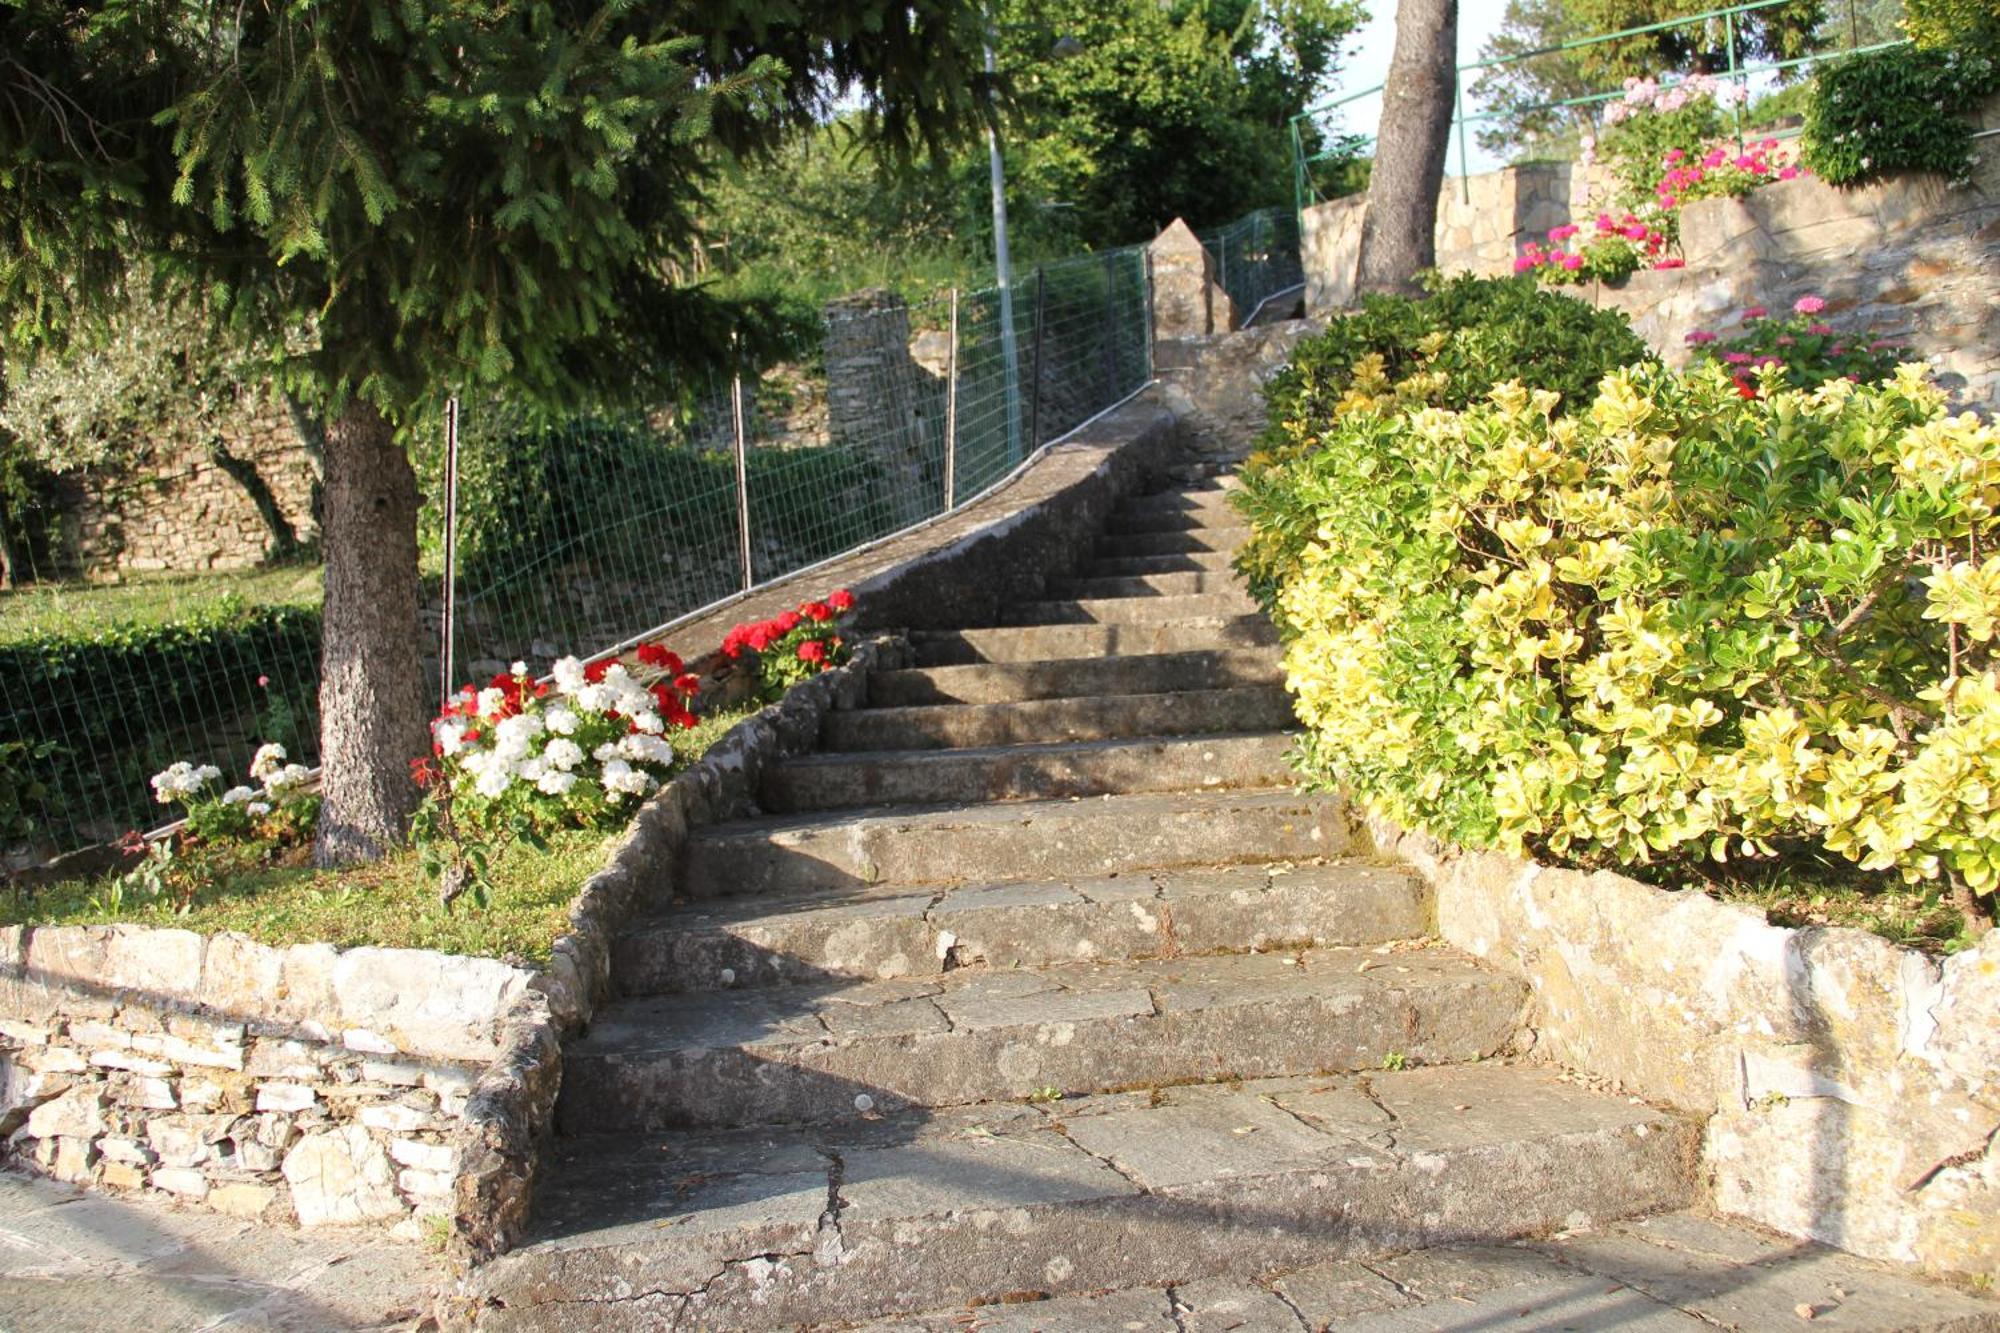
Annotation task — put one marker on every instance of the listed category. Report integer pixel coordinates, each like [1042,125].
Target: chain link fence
[579,533]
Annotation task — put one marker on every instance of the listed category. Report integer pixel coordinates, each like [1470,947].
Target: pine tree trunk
[370,692]
[1399,230]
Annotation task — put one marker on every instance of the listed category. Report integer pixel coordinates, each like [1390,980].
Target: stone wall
[1851,1087]
[305,1084]
[1910,259]
[884,403]
[180,510]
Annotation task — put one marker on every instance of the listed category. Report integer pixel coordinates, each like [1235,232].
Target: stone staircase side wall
[1849,1084]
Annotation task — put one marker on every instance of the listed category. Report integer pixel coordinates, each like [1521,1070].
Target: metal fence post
[450,589]
[742,480]
[951,411]
[1041,323]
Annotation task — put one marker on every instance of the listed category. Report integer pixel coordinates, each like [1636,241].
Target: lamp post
[1004,264]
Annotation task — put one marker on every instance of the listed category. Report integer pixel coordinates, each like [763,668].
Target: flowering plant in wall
[1611,250]
[795,645]
[1800,349]
[261,821]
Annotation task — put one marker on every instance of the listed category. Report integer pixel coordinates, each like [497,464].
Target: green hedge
[1903,109]
[100,714]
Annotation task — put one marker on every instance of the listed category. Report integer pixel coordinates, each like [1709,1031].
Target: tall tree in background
[397,199]
[1522,91]
[1399,229]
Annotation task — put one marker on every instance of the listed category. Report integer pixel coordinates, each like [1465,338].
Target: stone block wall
[180,511]
[305,1084]
[1851,1088]
[1911,259]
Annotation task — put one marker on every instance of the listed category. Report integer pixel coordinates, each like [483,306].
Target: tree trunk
[371,680]
[1399,230]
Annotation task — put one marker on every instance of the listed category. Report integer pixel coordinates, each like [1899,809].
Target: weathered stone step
[1127,566]
[1187,712]
[1180,502]
[805,1053]
[1132,610]
[1068,678]
[1013,841]
[1127,520]
[824,1226]
[858,778]
[1185,583]
[1047,643]
[886,934]
[1172,543]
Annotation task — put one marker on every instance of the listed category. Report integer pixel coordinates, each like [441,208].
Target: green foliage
[1897,110]
[1965,24]
[1680,624]
[1804,350]
[24,791]
[135,698]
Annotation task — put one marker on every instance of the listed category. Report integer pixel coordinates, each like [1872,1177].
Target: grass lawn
[391,903]
[78,609]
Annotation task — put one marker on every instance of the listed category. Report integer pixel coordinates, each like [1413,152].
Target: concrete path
[1676,1273]
[80,1263]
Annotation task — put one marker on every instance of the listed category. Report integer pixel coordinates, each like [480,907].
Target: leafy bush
[1650,128]
[1445,349]
[1902,109]
[1967,24]
[1805,350]
[1680,624]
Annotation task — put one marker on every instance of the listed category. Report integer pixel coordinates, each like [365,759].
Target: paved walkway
[80,1263]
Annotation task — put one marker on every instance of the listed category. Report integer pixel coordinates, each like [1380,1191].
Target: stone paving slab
[1178,1186]
[98,1263]
[1033,772]
[1672,1273]
[1186,710]
[882,934]
[816,1052]
[1021,840]
[1121,565]
[1011,682]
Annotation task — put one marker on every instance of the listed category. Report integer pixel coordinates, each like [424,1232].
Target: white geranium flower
[513,735]
[270,757]
[648,721]
[568,673]
[493,781]
[555,783]
[491,700]
[645,748]
[288,778]
[450,736]
[593,698]
[563,754]
[531,769]
[237,795]
[606,752]
[560,720]
[259,809]
[519,670]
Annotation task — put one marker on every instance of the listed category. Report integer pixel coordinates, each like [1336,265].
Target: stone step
[1048,643]
[1132,610]
[1128,520]
[1013,841]
[1124,566]
[806,1053]
[1067,678]
[1180,502]
[885,934]
[999,1204]
[1186,712]
[862,778]
[1172,543]
[1184,583]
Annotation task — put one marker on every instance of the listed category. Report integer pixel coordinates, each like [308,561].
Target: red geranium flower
[598,670]
[842,600]
[688,683]
[818,612]
[787,622]
[812,650]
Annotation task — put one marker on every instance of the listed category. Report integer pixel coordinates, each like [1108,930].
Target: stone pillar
[881,401]
[1187,300]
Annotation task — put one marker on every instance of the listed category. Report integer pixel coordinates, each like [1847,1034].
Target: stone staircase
[1039,979]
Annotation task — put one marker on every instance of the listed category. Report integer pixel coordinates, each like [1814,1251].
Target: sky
[1369,65]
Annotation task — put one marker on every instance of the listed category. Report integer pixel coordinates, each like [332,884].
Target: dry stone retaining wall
[1851,1087]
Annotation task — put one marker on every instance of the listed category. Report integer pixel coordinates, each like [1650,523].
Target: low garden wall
[1851,1087]
[415,1089]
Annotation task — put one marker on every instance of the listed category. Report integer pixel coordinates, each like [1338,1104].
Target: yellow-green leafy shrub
[1675,624]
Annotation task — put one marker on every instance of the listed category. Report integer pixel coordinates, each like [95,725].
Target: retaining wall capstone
[1851,1087]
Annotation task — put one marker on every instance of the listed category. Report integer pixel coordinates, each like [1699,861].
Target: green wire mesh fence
[577,533]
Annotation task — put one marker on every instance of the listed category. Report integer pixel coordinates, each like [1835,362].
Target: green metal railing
[1306,192]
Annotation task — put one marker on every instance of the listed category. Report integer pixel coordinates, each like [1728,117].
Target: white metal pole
[445,664]
[951,409]
[742,481]
[1001,260]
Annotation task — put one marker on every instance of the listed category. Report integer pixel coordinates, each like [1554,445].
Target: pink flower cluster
[1721,172]
[1648,95]
[1651,244]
